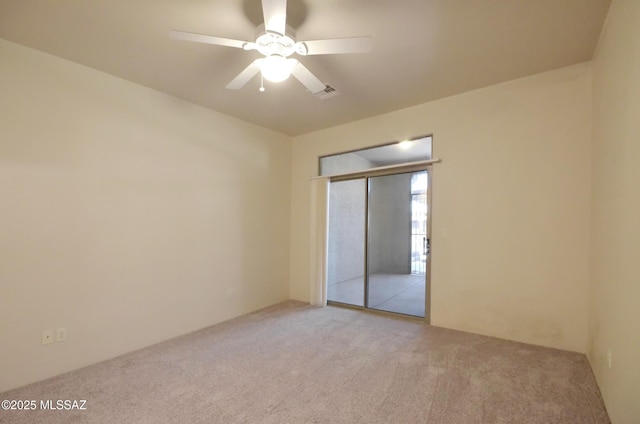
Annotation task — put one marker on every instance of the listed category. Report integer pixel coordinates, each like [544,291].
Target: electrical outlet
[609,358]
[47,336]
[61,334]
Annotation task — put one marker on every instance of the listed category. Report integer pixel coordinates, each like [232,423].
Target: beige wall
[614,303]
[512,195]
[127,216]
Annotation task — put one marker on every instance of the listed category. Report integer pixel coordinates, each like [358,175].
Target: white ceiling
[422,49]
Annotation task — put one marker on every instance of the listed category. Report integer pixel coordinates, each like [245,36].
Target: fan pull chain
[261,82]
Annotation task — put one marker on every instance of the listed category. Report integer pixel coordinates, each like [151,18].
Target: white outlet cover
[61,334]
[47,336]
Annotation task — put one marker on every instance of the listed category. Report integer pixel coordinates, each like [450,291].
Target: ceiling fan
[276,41]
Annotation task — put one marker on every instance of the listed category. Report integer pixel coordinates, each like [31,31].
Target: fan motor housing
[271,43]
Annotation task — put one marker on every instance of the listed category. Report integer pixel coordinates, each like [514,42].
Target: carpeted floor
[294,363]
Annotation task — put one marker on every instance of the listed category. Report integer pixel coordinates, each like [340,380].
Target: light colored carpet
[293,363]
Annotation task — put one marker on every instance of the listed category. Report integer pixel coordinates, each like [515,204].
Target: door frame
[410,168]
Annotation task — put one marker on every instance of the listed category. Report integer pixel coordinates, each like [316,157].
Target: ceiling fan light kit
[276,41]
[276,68]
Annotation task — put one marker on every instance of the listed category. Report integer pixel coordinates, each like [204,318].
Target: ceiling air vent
[328,92]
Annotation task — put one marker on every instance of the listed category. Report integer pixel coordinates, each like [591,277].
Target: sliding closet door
[398,243]
[346,242]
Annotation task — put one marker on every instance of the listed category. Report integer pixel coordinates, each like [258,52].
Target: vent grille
[327,93]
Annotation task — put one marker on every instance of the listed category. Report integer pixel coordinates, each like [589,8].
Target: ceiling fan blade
[275,15]
[207,39]
[337,46]
[245,76]
[307,79]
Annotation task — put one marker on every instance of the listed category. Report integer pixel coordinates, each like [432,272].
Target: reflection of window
[419,241]
[391,154]
[419,182]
